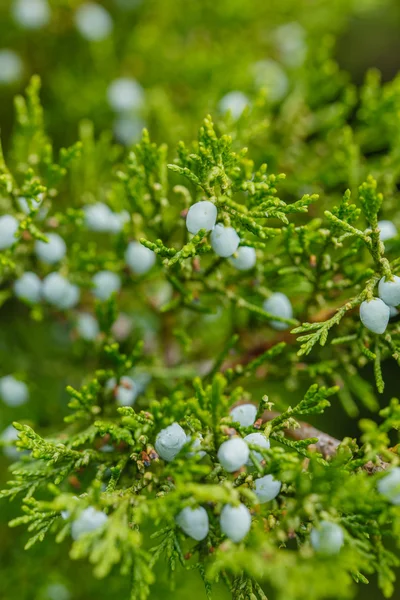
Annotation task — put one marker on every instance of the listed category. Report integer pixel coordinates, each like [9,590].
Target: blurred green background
[186,56]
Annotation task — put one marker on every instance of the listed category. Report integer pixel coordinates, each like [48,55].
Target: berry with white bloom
[87,327]
[97,216]
[8,228]
[106,283]
[195,446]
[122,327]
[256,439]
[244,259]
[128,129]
[224,241]
[11,67]
[267,488]
[89,520]
[269,74]
[279,305]
[8,437]
[125,94]
[28,287]
[56,289]
[57,591]
[389,486]
[201,215]
[233,454]
[194,522]
[291,43]
[393,312]
[170,441]
[31,207]
[234,102]
[52,251]
[31,14]
[125,392]
[235,521]
[389,290]
[244,414]
[388,230]
[71,297]
[93,21]
[327,538]
[374,315]
[118,221]
[12,391]
[139,258]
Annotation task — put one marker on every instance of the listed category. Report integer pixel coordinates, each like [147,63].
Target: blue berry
[106,283]
[244,414]
[125,391]
[93,21]
[194,522]
[224,241]
[28,287]
[11,69]
[31,14]
[389,486]
[267,488]
[235,521]
[327,538]
[202,215]
[244,258]
[233,454]
[256,439]
[8,224]
[170,441]
[59,292]
[52,251]
[89,520]
[87,327]
[234,102]
[279,305]
[125,94]
[388,230]
[374,315]
[8,437]
[13,392]
[139,258]
[389,291]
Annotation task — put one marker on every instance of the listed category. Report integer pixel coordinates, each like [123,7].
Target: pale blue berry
[170,441]
[257,439]
[87,327]
[89,520]
[234,102]
[125,94]
[201,215]
[244,258]
[235,521]
[106,283]
[93,21]
[374,315]
[31,207]
[57,591]
[59,292]
[244,414]
[389,290]
[195,446]
[11,69]
[8,438]
[388,230]
[53,250]
[224,241]
[71,297]
[233,454]
[290,39]
[128,128]
[28,287]
[98,216]
[327,538]
[269,75]
[267,488]
[194,522]
[31,14]
[8,226]
[389,486]
[125,391]
[139,258]
[279,305]
[13,392]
